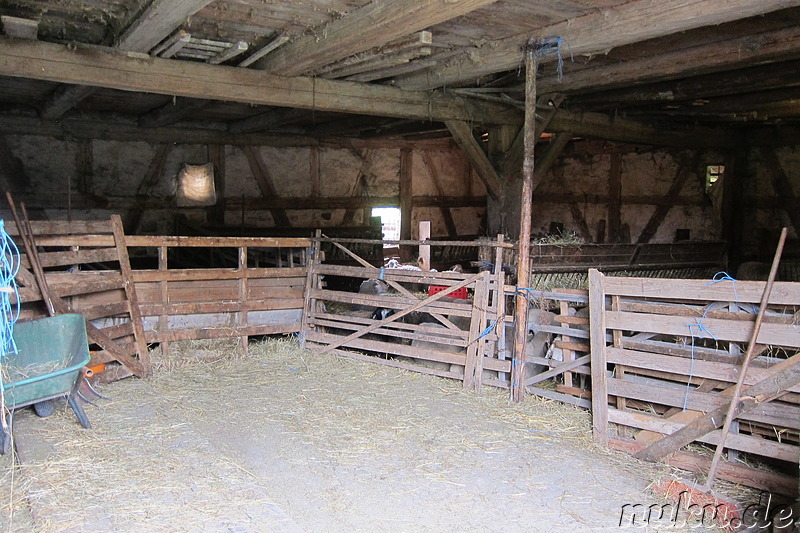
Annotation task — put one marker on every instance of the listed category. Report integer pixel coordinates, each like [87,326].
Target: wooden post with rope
[523,255]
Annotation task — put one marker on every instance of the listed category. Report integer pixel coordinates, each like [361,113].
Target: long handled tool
[712,472]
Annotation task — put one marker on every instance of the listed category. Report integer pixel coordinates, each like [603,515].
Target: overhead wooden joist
[771,46]
[154,24]
[594,33]
[374,24]
[103,67]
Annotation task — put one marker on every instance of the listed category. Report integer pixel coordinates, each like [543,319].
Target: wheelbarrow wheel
[45,408]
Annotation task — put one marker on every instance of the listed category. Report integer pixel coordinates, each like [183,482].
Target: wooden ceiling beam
[741,52]
[157,22]
[593,33]
[462,133]
[152,26]
[103,67]
[372,25]
[172,112]
[746,80]
[600,126]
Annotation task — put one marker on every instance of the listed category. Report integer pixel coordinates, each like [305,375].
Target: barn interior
[527,201]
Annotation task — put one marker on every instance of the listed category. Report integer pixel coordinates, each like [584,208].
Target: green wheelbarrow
[51,354]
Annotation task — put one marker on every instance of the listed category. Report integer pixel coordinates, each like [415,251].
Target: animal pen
[650,357]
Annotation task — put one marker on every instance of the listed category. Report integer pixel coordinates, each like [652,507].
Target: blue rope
[724,276]
[383,271]
[488,329]
[551,45]
[9,313]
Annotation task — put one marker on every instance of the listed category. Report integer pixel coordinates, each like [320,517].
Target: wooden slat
[712,328]
[681,366]
[221,332]
[190,308]
[407,351]
[744,443]
[783,293]
[216,242]
[196,274]
[392,302]
[772,414]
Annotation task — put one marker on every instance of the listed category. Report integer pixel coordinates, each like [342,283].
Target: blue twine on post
[700,329]
[551,45]
[383,271]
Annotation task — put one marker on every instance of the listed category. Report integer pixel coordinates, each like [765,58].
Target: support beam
[406,200]
[594,33]
[265,184]
[155,24]
[615,199]
[704,59]
[783,188]
[157,21]
[449,223]
[106,68]
[684,172]
[216,156]
[462,133]
[546,107]
[546,161]
[11,169]
[367,27]
[271,119]
[599,126]
[172,112]
[149,180]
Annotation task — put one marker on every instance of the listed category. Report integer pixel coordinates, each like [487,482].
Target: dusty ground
[287,440]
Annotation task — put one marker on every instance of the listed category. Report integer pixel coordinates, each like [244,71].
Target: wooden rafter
[106,68]
[265,184]
[595,33]
[462,133]
[658,216]
[154,24]
[783,187]
[362,29]
[172,112]
[449,223]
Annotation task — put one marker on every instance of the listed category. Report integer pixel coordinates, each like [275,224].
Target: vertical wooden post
[523,256]
[243,287]
[597,333]
[314,171]
[500,303]
[312,260]
[163,317]
[615,198]
[619,370]
[216,155]
[569,355]
[130,293]
[473,369]
[424,260]
[406,200]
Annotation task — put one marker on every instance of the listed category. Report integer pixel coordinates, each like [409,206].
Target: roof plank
[594,33]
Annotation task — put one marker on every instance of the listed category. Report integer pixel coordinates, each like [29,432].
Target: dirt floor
[287,440]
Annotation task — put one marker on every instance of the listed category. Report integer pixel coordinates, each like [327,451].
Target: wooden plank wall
[202,303]
[87,260]
[460,336]
[84,266]
[666,351]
